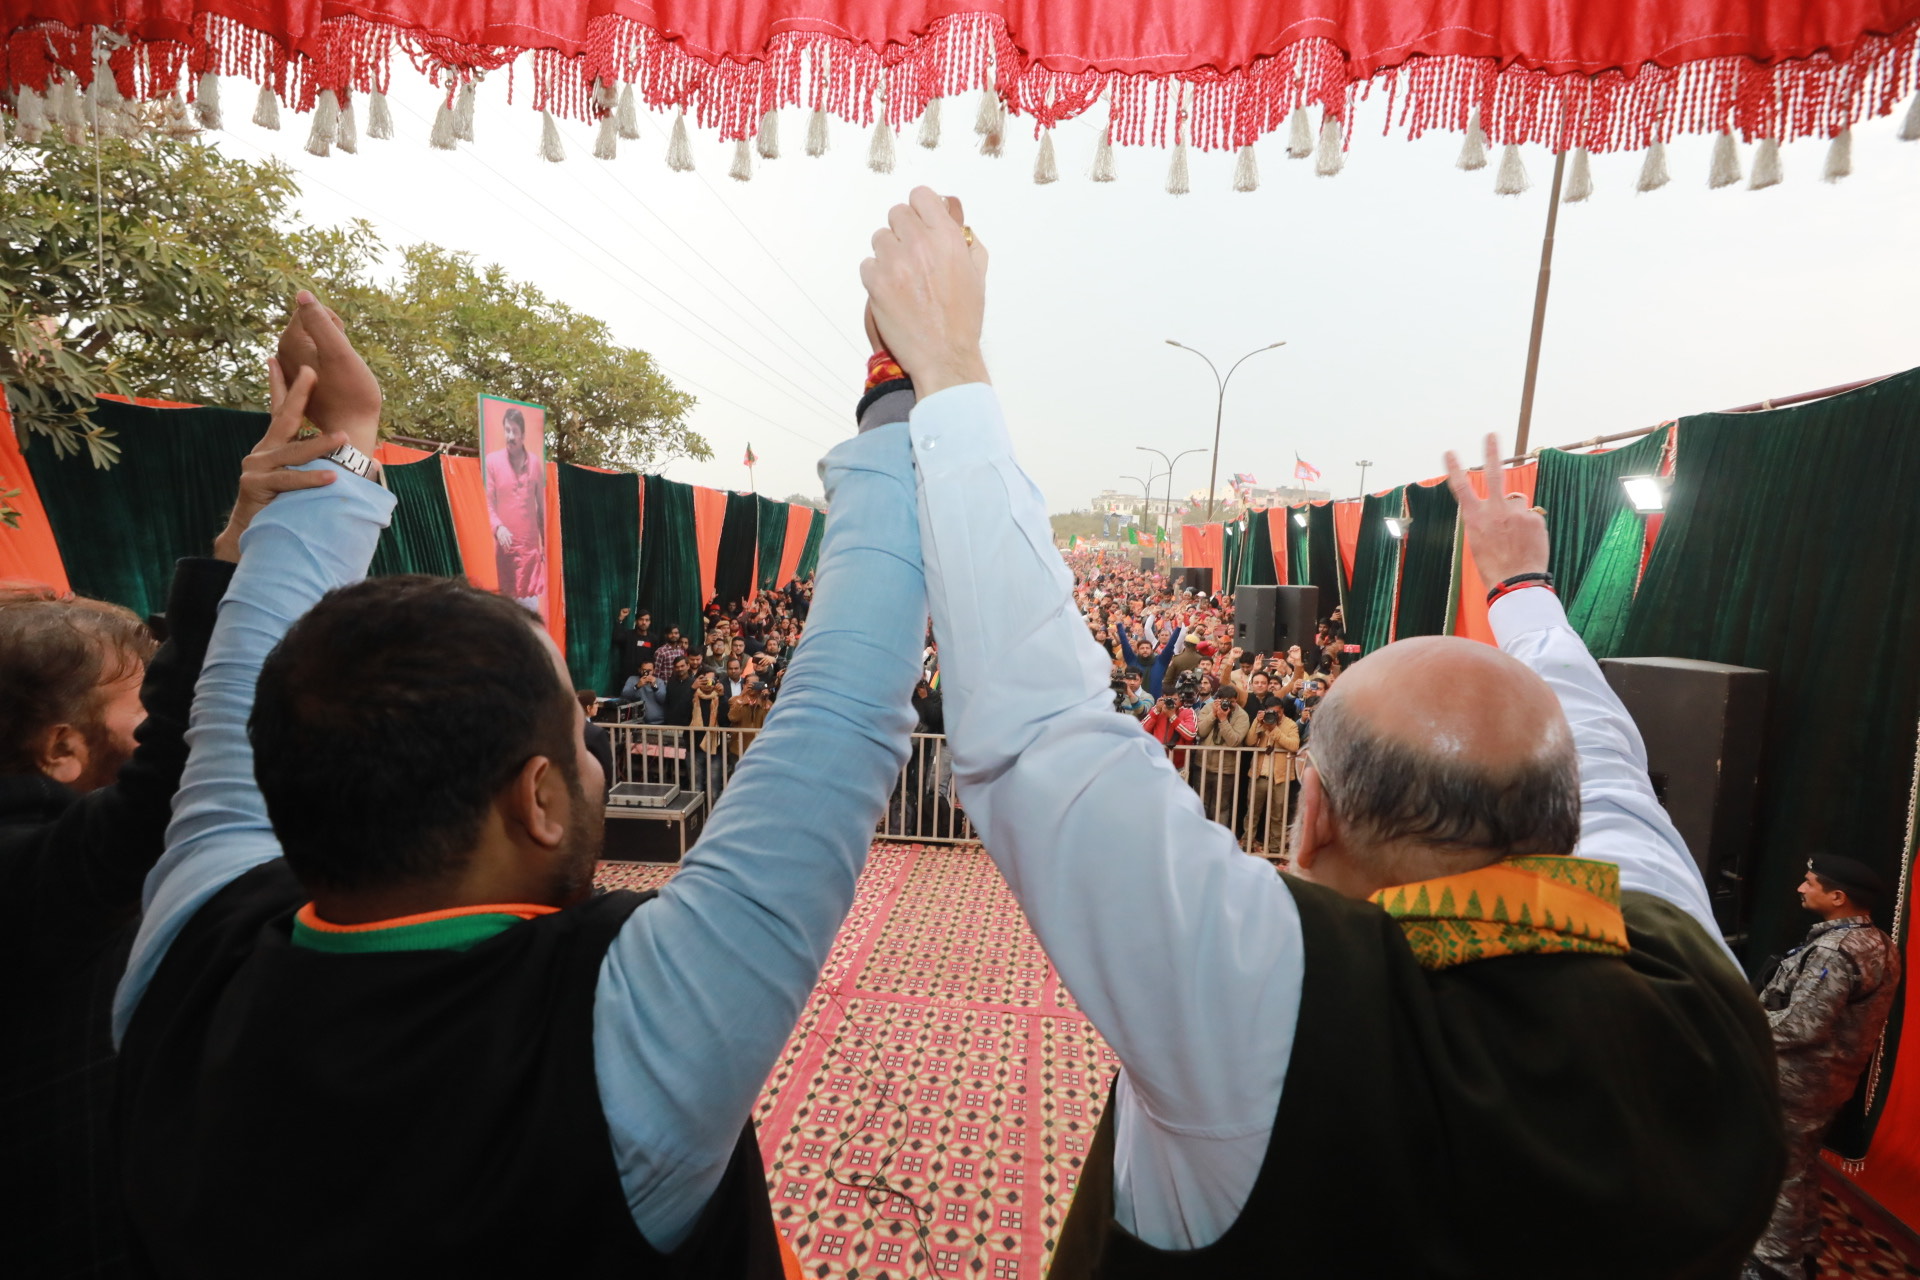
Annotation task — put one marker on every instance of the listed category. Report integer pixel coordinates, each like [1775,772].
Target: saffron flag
[749,460]
[1304,470]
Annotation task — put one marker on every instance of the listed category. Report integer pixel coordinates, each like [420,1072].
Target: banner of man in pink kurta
[513,448]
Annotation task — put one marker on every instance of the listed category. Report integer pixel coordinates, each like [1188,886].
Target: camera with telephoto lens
[1186,687]
[1119,686]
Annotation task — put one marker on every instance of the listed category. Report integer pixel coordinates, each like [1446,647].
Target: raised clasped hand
[926,292]
[346,399]
[264,473]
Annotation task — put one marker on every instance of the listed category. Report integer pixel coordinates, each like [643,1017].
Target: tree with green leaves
[161,267]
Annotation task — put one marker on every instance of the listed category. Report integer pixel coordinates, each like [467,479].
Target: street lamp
[1146,491]
[1363,464]
[1219,407]
[1169,461]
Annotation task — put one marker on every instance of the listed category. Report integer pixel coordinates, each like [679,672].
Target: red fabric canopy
[1603,76]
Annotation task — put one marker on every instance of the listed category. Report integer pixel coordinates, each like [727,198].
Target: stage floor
[929,1116]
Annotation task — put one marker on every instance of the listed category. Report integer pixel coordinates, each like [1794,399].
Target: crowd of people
[310,978]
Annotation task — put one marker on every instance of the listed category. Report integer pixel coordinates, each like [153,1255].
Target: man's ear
[1316,821]
[535,803]
[63,754]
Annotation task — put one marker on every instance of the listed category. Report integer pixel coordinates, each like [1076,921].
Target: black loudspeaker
[1703,723]
[1146,564]
[1269,618]
[1197,580]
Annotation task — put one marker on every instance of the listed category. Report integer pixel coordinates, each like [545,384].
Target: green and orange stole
[1522,906]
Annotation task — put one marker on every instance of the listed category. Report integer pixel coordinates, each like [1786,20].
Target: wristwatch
[355,461]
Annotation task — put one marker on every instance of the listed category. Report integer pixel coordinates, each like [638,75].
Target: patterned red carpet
[930,1113]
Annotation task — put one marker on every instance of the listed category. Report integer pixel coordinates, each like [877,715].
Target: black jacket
[72,868]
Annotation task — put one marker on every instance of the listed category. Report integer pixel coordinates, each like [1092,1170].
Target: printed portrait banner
[514,470]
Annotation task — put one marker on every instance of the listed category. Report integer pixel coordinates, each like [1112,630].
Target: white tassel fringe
[463,104]
[817,134]
[1473,151]
[1910,128]
[1045,168]
[1839,157]
[1511,180]
[326,123]
[679,150]
[606,144]
[880,153]
[550,148]
[266,109]
[1766,165]
[206,101]
[742,168]
[1246,171]
[30,115]
[1725,170]
[379,116]
[1653,173]
[1579,179]
[1331,157]
[991,123]
[930,125]
[1299,135]
[1103,170]
[1177,184]
[346,135]
[768,143]
[443,137]
[627,116]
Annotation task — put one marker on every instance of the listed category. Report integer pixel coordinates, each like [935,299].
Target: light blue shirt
[1184,952]
[702,987]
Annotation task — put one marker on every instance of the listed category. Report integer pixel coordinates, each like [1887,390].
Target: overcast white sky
[1403,287]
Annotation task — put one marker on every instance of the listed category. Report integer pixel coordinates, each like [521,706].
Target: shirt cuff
[1522,612]
[959,427]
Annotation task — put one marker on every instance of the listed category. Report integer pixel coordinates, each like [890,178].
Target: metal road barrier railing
[1248,790]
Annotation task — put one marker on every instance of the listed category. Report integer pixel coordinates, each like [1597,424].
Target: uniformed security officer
[1827,1003]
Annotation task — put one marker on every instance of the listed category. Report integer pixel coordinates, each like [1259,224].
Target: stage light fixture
[1397,526]
[1648,494]
[1300,518]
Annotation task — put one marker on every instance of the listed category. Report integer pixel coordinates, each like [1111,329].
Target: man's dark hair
[1393,792]
[388,719]
[54,657]
[514,418]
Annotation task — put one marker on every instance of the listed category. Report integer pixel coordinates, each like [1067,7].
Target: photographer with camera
[1171,721]
[1277,736]
[1222,724]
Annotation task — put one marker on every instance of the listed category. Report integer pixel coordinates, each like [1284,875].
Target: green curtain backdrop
[1426,577]
[1323,564]
[1229,556]
[1581,493]
[600,543]
[1768,559]
[1792,543]
[739,539]
[1256,563]
[1605,601]
[1299,565]
[120,530]
[670,558]
[421,537]
[773,541]
[810,558]
[1376,572]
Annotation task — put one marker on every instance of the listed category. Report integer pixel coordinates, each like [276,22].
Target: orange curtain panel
[27,553]
[1277,537]
[1346,532]
[799,525]
[467,499]
[709,517]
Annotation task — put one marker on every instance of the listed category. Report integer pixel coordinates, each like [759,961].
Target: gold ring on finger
[967,232]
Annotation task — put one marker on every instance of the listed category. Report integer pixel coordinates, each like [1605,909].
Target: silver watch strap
[353,460]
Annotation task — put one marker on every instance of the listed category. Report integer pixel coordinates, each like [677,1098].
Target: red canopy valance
[1212,73]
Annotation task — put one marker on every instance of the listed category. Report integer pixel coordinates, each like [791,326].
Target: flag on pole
[1133,536]
[1073,542]
[749,460]
[1304,470]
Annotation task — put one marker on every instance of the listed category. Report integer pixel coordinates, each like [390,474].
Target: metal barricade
[1248,790]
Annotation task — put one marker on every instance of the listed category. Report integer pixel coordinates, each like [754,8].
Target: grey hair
[1391,792]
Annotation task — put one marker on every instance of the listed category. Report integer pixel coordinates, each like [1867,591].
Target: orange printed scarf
[1522,906]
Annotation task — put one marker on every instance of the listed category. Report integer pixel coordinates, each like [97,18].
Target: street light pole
[1169,461]
[1363,464]
[1146,491]
[1220,406]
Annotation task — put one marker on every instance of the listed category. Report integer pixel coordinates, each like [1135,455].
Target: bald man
[1488,1030]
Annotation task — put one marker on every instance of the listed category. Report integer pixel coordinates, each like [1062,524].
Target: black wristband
[882,389]
[1546,579]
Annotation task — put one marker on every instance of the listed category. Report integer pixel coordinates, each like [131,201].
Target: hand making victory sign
[1508,536]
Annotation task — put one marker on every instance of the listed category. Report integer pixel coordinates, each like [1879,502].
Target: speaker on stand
[1267,619]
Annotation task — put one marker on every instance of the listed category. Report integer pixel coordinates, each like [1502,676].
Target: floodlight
[1648,494]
